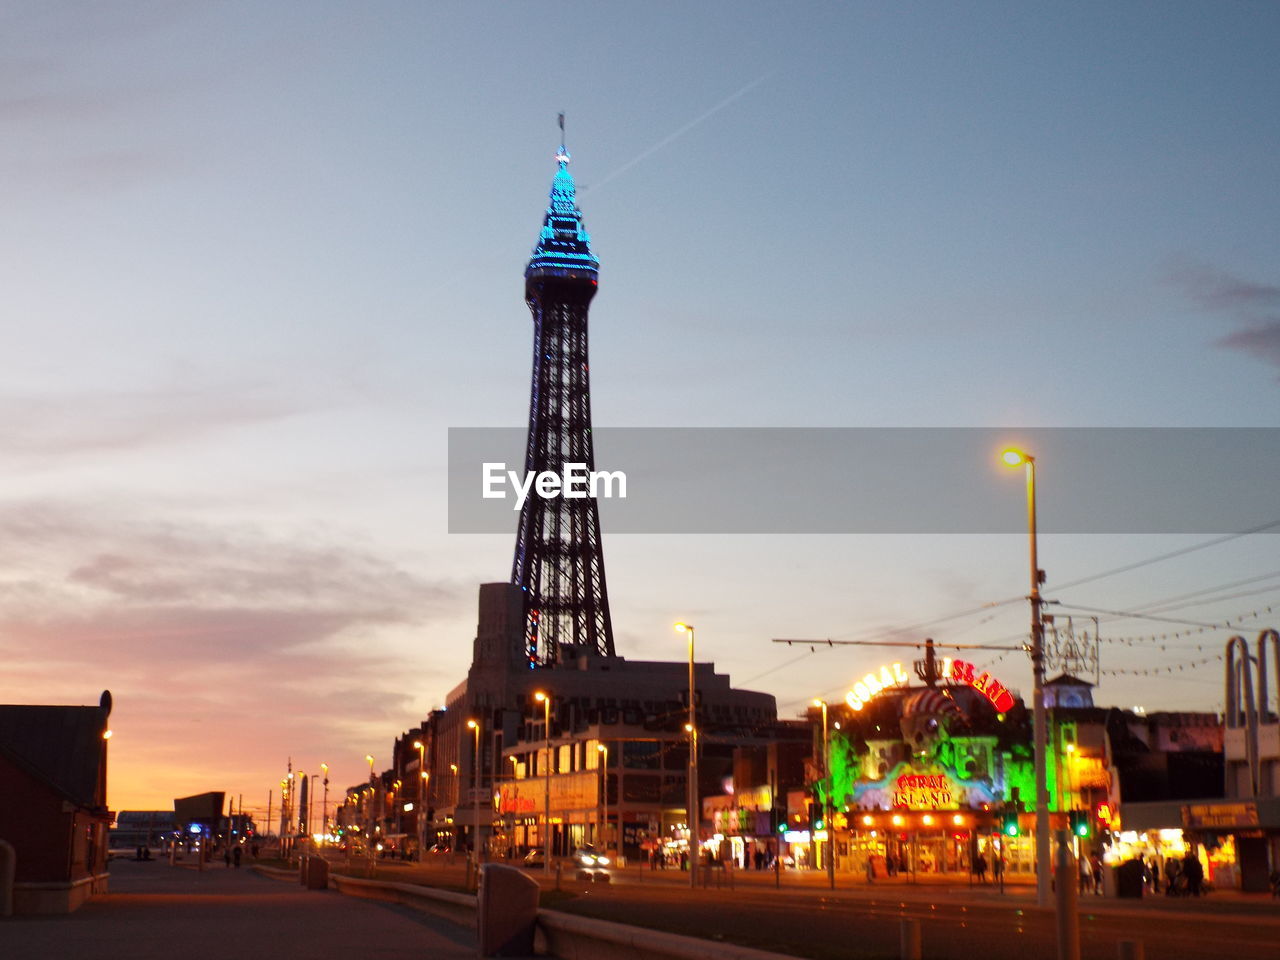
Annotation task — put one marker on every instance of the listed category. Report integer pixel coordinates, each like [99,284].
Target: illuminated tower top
[559,560]
[564,246]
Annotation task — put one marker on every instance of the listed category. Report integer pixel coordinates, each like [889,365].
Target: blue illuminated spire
[564,246]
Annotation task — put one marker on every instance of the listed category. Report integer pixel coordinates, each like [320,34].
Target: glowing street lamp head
[417,744]
[368,758]
[106,734]
[819,702]
[540,696]
[324,767]
[471,724]
[602,748]
[684,628]
[1014,457]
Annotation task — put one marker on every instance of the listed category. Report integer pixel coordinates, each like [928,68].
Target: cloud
[1255,307]
[43,427]
[1261,341]
[227,648]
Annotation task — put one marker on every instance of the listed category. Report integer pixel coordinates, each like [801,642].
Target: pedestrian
[226,856]
[1194,873]
[1085,871]
[1172,867]
[1095,863]
[1154,868]
[236,854]
[980,868]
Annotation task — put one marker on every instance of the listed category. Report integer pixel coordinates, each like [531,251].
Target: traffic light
[1009,824]
[1080,823]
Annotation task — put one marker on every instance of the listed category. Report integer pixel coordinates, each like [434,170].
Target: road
[861,921]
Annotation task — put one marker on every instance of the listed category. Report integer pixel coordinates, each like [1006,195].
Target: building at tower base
[628,713]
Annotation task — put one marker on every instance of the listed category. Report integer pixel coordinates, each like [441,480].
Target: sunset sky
[258,258]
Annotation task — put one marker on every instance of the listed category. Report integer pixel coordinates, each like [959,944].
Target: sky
[257,259]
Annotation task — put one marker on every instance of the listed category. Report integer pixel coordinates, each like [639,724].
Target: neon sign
[925,791]
[961,671]
[890,675]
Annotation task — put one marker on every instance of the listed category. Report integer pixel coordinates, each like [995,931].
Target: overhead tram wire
[1114,571]
[1155,605]
[1168,556]
[915,644]
[785,663]
[1130,614]
[1125,568]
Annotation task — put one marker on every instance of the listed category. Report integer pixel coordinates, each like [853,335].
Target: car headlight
[603,861]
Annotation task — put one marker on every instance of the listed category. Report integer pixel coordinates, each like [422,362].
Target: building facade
[54,817]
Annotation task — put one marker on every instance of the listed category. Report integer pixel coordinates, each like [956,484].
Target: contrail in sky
[681,132]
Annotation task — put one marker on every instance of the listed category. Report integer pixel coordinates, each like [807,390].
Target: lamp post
[604,797]
[422,790]
[691,728]
[509,823]
[1015,458]
[545,700]
[311,808]
[324,804]
[474,727]
[284,811]
[826,805]
[368,815]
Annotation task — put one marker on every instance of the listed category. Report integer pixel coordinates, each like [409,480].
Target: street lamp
[691,728]
[324,805]
[422,799]
[545,700]
[604,797]
[284,811]
[474,726]
[294,811]
[826,814]
[369,807]
[1015,458]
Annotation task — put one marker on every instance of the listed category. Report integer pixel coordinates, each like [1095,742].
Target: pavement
[156,911]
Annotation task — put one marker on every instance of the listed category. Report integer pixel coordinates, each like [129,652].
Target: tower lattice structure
[559,560]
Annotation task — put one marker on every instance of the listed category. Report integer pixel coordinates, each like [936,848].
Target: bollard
[1131,950]
[506,911]
[317,873]
[1067,917]
[8,869]
[909,941]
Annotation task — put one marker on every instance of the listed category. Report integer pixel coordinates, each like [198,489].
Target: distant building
[142,828]
[54,816]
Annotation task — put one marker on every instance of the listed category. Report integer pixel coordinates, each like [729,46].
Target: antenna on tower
[563,156]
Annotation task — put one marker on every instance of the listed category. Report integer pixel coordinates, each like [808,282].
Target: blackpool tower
[559,561]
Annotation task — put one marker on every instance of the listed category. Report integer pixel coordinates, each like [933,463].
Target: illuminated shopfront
[925,778]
